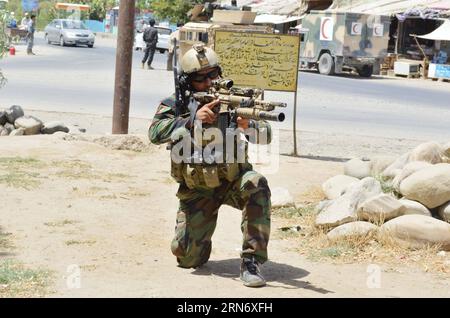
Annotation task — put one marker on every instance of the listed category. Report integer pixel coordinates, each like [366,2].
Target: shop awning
[389,7]
[71,6]
[442,33]
[275,19]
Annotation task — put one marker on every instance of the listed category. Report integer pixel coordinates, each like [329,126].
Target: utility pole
[124,59]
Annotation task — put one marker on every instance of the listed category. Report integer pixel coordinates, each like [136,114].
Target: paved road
[78,79]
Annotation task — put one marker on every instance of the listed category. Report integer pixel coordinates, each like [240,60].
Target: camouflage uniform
[200,200]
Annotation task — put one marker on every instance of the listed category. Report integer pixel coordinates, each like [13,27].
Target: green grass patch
[18,281]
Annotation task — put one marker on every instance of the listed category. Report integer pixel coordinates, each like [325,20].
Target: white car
[163,39]
[69,32]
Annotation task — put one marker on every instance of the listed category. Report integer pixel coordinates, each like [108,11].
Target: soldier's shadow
[285,274]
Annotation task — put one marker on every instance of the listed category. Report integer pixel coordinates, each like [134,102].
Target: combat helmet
[199,58]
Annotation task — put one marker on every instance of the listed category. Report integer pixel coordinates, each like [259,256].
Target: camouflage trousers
[197,217]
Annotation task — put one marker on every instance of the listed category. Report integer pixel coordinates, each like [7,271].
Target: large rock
[17,132]
[380,208]
[281,197]
[418,231]
[3,131]
[429,186]
[414,207]
[343,209]
[336,186]
[408,169]
[357,228]
[54,126]
[446,149]
[3,118]
[431,152]
[379,163]
[30,124]
[357,168]
[13,113]
[9,127]
[393,169]
[444,212]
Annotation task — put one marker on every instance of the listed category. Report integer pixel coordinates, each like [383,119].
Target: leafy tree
[173,10]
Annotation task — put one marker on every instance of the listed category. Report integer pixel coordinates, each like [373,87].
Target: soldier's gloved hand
[206,114]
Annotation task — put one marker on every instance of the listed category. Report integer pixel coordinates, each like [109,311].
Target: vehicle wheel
[365,71]
[162,51]
[61,41]
[46,39]
[326,64]
[91,45]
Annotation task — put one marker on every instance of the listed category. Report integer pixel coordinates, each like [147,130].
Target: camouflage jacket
[166,124]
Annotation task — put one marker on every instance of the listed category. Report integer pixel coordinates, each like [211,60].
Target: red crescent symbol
[354,27]
[323,27]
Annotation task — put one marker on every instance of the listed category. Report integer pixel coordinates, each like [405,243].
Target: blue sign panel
[30,5]
[442,71]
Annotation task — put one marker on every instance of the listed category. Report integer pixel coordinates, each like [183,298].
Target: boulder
[281,197]
[17,132]
[343,209]
[13,113]
[418,231]
[3,131]
[392,170]
[3,117]
[9,127]
[408,170]
[446,150]
[444,212]
[54,126]
[429,186]
[414,207]
[379,163]
[336,186]
[357,168]
[31,125]
[357,228]
[380,208]
[431,152]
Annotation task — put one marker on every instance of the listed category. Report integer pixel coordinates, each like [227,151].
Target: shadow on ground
[289,276]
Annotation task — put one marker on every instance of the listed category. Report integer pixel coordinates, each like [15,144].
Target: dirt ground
[101,221]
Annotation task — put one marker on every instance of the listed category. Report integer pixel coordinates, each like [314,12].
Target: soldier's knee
[189,256]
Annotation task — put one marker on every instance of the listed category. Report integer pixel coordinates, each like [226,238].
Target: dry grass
[18,172]
[60,223]
[313,243]
[77,242]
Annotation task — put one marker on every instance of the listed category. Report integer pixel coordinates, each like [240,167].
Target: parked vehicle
[163,39]
[334,42]
[69,32]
